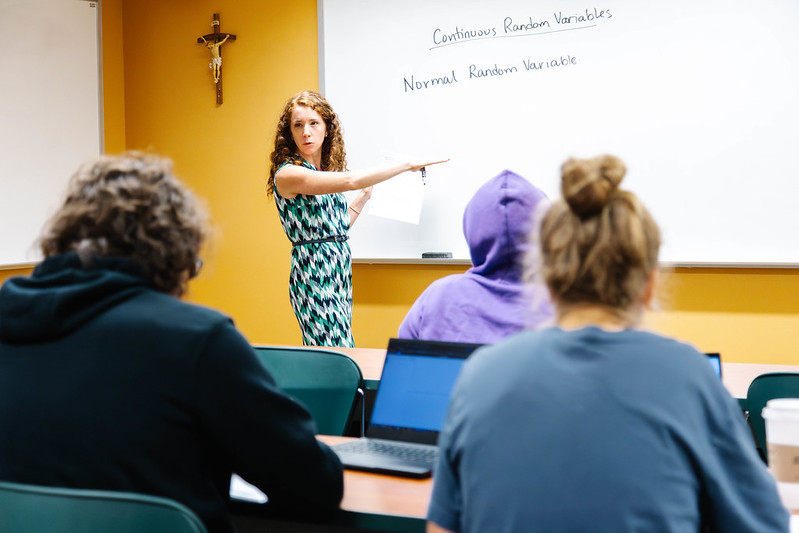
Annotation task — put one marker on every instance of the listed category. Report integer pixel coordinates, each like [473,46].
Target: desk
[736,376]
[375,503]
[370,360]
[372,502]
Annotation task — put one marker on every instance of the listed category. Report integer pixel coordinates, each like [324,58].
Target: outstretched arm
[292,180]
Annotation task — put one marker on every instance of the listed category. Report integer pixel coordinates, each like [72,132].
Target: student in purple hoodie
[489,301]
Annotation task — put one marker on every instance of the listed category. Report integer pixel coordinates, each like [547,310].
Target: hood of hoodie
[496,224]
[61,295]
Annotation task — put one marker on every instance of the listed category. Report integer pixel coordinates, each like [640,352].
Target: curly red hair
[334,157]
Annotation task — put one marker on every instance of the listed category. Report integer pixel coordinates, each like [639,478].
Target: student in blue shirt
[593,424]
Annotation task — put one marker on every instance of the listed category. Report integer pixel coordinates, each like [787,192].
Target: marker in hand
[424,175]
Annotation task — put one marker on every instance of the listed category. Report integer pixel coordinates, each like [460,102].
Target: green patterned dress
[320,282]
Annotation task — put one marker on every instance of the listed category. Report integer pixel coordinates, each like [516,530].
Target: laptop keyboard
[417,453]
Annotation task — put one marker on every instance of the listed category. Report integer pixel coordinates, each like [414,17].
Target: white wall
[49,112]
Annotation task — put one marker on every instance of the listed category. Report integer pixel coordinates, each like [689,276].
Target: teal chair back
[36,509]
[762,389]
[325,382]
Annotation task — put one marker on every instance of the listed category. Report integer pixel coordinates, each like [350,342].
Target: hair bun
[586,184]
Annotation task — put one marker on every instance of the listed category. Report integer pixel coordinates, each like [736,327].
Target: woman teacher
[307,178]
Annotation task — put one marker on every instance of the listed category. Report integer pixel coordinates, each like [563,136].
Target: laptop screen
[415,387]
[715,362]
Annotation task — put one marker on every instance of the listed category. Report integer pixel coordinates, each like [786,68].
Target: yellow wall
[113,77]
[222,151]
[749,315]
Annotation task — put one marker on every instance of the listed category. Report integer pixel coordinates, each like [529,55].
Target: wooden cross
[214,42]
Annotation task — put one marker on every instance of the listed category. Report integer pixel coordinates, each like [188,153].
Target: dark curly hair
[131,206]
[334,157]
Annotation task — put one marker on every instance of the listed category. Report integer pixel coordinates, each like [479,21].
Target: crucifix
[214,41]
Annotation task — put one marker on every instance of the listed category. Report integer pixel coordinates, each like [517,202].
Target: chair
[325,382]
[32,508]
[762,389]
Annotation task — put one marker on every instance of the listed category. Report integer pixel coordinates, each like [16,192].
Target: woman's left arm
[358,203]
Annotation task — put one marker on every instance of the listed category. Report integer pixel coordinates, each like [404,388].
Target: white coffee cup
[782,441]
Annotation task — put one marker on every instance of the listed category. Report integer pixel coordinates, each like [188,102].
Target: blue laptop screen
[715,362]
[414,391]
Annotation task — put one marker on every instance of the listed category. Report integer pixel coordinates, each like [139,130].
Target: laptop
[714,359]
[410,408]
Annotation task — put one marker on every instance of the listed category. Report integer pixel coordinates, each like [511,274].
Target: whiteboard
[49,112]
[700,98]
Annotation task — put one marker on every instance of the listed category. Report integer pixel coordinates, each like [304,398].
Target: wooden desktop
[380,502]
[372,502]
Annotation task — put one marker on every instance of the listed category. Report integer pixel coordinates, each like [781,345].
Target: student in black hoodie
[109,381]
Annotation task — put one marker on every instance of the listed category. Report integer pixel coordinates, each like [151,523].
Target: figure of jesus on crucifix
[214,41]
[216,57]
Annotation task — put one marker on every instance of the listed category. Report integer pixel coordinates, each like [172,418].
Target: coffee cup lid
[781,406]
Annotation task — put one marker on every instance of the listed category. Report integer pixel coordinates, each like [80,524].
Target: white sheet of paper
[241,490]
[399,198]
